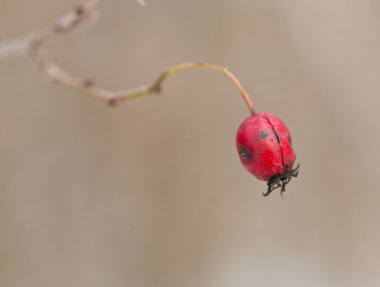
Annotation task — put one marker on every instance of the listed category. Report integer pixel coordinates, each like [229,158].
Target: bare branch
[14,47]
[83,16]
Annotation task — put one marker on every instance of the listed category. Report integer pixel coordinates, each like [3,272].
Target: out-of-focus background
[152,193]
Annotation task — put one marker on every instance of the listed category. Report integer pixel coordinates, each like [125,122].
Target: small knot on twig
[35,44]
[79,10]
[114,102]
[157,89]
[88,82]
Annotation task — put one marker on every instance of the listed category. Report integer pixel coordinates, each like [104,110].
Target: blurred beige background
[153,193]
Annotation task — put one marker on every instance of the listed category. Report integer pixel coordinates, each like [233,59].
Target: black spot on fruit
[264,134]
[245,153]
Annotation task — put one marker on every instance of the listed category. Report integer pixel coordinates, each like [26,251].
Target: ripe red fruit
[265,149]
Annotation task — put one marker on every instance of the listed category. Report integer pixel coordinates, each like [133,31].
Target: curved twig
[80,17]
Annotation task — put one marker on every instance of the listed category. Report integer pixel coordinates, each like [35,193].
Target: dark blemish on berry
[245,153]
[264,134]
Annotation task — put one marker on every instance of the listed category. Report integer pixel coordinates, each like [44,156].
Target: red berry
[265,149]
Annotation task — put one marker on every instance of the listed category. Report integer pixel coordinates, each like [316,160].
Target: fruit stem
[156,87]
